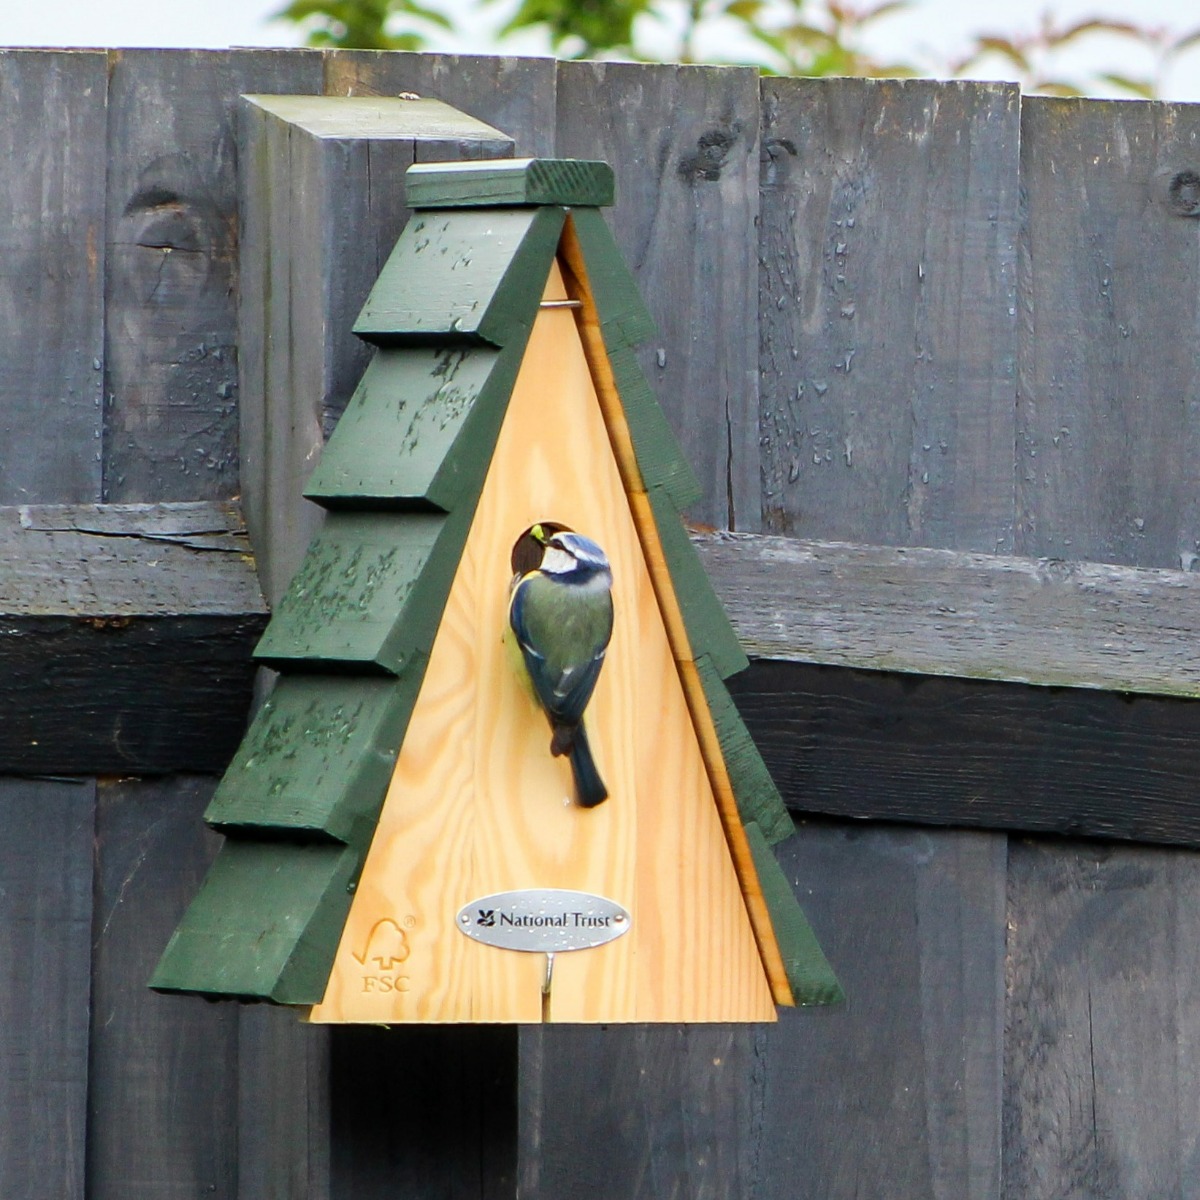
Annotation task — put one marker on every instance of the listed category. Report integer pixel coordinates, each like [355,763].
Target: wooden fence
[917,315]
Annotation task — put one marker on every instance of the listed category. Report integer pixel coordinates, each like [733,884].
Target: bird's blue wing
[563,682]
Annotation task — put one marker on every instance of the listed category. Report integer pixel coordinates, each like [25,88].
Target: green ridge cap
[516,181]
[317,758]
[708,628]
[265,925]
[416,428]
[808,971]
[757,797]
[624,316]
[463,276]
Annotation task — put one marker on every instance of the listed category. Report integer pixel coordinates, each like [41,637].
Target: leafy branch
[790,37]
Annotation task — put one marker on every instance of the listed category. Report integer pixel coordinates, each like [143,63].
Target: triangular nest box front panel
[477,805]
[401,769]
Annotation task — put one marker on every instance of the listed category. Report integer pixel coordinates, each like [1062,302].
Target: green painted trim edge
[808,971]
[510,182]
[757,797]
[624,316]
[708,628]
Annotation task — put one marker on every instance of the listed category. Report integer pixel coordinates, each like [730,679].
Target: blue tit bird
[562,614]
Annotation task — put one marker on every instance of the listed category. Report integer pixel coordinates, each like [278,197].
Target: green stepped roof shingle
[414,428]
[401,476]
[462,277]
[316,756]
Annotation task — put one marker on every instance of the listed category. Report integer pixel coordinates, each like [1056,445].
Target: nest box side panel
[477,805]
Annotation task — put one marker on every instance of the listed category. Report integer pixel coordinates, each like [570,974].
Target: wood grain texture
[163,1094]
[495,814]
[975,616]
[692,619]
[896,1092]
[891,747]
[126,560]
[516,95]
[128,630]
[171,370]
[1100,1079]
[640,1113]
[423,1112]
[52,281]
[1109,406]
[321,205]
[684,144]
[887,316]
[283,1104]
[45,991]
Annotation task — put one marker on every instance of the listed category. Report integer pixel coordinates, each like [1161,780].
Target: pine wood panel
[478,806]
[621,442]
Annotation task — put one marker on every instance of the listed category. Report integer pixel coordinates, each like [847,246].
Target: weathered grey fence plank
[52,280]
[1108,452]
[322,204]
[887,310]
[639,1113]
[283,1106]
[127,637]
[163,1097]
[976,616]
[424,1111]
[896,1092]
[171,422]
[1100,1069]
[516,95]
[45,949]
[891,747]
[684,144]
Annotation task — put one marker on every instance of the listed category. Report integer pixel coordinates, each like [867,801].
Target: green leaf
[1053,87]
[993,44]
[1142,88]
[1095,25]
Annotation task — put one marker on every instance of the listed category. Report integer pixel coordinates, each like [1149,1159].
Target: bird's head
[571,557]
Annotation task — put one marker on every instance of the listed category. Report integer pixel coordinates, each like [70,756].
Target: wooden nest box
[401,771]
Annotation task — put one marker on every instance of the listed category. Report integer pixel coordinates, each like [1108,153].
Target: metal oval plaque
[548,920]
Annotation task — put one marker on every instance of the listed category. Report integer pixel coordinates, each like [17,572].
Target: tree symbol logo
[487,917]
[387,946]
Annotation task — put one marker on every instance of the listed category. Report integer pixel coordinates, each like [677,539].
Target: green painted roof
[401,476]
[463,277]
[512,181]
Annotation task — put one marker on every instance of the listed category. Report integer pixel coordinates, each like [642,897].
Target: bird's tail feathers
[589,787]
